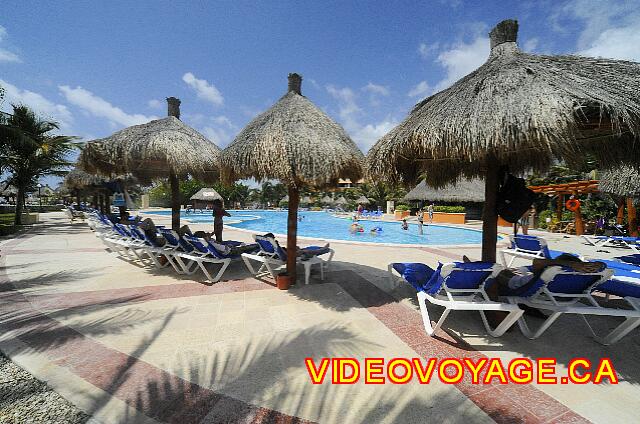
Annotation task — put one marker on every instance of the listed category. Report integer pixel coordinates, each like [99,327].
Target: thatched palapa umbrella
[298,144]
[205,195]
[327,200]
[163,148]
[363,200]
[623,182]
[341,201]
[518,110]
[305,200]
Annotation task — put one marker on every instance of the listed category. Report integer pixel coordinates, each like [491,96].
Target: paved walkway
[130,344]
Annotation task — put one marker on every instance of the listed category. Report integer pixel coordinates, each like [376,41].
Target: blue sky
[97,67]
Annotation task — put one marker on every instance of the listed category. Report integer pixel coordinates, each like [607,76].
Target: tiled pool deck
[128,344]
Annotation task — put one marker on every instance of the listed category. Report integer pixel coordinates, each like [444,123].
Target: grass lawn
[6,224]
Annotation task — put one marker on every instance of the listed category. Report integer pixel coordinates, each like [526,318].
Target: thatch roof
[306,200]
[295,142]
[519,109]
[9,191]
[153,150]
[79,179]
[623,181]
[285,199]
[206,194]
[462,191]
[327,199]
[363,200]
[341,201]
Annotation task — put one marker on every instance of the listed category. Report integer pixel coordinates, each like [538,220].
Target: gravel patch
[25,399]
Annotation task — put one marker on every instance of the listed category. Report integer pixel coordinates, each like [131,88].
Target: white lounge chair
[458,286]
[527,247]
[562,290]
[271,257]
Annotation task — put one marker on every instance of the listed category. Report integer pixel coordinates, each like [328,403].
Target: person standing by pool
[218,214]
[430,212]
[360,210]
[420,221]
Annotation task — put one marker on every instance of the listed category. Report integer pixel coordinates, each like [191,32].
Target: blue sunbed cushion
[416,274]
[631,259]
[620,288]
[562,283]
[315,250]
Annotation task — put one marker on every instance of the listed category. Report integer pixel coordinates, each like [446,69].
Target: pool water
[324,225]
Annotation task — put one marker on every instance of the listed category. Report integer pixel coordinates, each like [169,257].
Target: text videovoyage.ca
[454,370]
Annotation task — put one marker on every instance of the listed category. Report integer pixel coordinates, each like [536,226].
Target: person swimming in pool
[356,228]
[405,226]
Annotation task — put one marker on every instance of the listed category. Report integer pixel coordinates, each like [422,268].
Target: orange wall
[448,218]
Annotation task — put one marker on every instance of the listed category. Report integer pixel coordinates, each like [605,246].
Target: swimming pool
[324,225]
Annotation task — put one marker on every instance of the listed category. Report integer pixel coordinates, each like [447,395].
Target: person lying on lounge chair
[302,252]
[514,281]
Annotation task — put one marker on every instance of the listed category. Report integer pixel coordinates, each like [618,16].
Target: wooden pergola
[573,188]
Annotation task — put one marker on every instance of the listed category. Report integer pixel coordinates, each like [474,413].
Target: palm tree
[32,151]
[378,193]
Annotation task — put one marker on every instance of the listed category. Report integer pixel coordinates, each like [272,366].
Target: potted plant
[283,281]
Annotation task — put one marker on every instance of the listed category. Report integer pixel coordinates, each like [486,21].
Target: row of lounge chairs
[558,291]
[613,241]
[371,214]
[187,254]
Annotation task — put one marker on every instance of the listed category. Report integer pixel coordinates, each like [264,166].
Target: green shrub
[447,209]
[402,208]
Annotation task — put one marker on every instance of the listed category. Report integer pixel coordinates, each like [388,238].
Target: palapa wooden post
[175,201]
[620,215]
[173,109]
[292,232]
[489,213]
[559,207]
[632,218]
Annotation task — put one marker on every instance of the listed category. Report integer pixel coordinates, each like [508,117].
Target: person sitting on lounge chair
[302,252]
[512,282]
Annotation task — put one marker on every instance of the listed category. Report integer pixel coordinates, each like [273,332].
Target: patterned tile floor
[147,346]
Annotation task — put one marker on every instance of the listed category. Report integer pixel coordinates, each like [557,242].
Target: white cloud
[351,116]
[97,106]
[531,44]
[154,104]
[37,102]
[376,89]
[610,29]
[462,59]
[420,90]
[220,136]
[204,89]
[218,129]
[6,55]
[616,43]
[367,135]
[425,49]
[346,97]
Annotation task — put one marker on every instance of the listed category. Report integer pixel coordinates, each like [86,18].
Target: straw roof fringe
[206,194]
[519,109]
[461,191]
[341,201]
[295,142]
[152,150]
[79,179]
[623,181]
[327,199]
[363,200]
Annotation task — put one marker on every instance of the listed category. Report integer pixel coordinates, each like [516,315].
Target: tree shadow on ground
[50,279]
[270,371]
[44,331]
